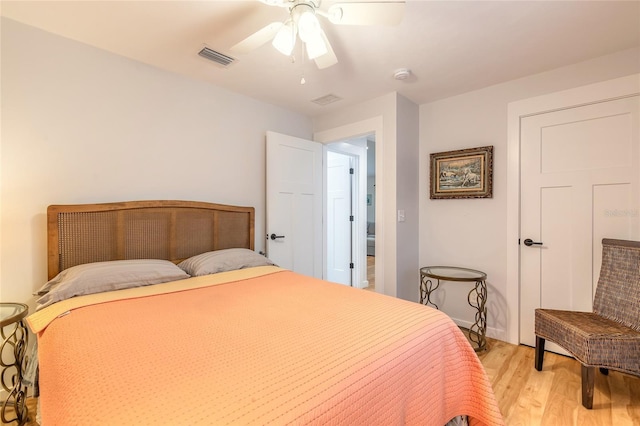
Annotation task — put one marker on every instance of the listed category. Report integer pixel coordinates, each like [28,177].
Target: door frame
[594,93]
[351,131]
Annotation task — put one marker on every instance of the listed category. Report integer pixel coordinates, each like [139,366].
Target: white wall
[81,125]
[472,233]
[377,116]
[371,189]
[407,195]
[385,113]
[371,177]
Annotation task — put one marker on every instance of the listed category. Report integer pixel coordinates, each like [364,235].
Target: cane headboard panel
[172,230]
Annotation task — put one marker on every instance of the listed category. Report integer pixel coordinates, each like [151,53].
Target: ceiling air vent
[216,57]
[327,99]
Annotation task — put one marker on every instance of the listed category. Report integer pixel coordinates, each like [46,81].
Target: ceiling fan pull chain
[302,65]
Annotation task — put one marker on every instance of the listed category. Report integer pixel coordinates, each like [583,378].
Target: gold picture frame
[465,173]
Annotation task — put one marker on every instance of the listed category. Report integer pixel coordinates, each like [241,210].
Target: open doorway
[350,212]
[372,127]
[371,212]
[340,202]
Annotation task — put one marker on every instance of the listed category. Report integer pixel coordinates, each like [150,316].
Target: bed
[236,340]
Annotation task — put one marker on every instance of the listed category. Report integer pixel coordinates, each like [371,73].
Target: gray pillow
[107,276]
[216,261]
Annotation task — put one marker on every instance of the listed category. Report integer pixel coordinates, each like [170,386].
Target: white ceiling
[451,47]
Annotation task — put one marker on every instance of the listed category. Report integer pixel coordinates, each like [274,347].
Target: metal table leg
[11,376]
[426,288]
[477,299]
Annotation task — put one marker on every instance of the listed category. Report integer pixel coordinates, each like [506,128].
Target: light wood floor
[371,272]
[553,396]
[550,397]
[31,406]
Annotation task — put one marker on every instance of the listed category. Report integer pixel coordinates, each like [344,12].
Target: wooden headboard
[172,230]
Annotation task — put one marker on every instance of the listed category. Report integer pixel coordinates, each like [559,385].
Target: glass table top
[12,312]
[453,273]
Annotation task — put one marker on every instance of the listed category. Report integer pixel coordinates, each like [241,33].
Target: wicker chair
[608,337]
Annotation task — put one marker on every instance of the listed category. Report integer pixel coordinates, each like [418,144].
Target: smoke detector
[402,74]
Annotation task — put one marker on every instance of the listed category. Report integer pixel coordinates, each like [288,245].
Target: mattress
[252,347]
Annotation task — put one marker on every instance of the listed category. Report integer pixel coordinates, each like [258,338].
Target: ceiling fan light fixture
[316,47]
[303,15]
[308,25]
[285,39]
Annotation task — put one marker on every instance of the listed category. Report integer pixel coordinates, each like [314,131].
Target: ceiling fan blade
[329,58]
[366,13]
[279,3]
[257,39]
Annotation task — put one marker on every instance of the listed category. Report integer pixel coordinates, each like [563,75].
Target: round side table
[14,340]
[477,297]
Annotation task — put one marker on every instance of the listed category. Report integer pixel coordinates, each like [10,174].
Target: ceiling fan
[303,23]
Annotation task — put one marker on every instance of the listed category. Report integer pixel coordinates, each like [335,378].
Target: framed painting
[466,173]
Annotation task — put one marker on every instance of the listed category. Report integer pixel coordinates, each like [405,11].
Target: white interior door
[579,183]
[356,149]
[294,203]
[339,218]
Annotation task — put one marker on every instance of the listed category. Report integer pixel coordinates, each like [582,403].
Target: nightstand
[477,297]
[14,342]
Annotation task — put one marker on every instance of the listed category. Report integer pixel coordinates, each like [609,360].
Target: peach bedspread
[277,348]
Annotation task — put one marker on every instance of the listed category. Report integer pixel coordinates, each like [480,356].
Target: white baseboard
[492,332]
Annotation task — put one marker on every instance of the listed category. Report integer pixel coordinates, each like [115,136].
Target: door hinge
[350,218]
[351,170]
[351,265]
